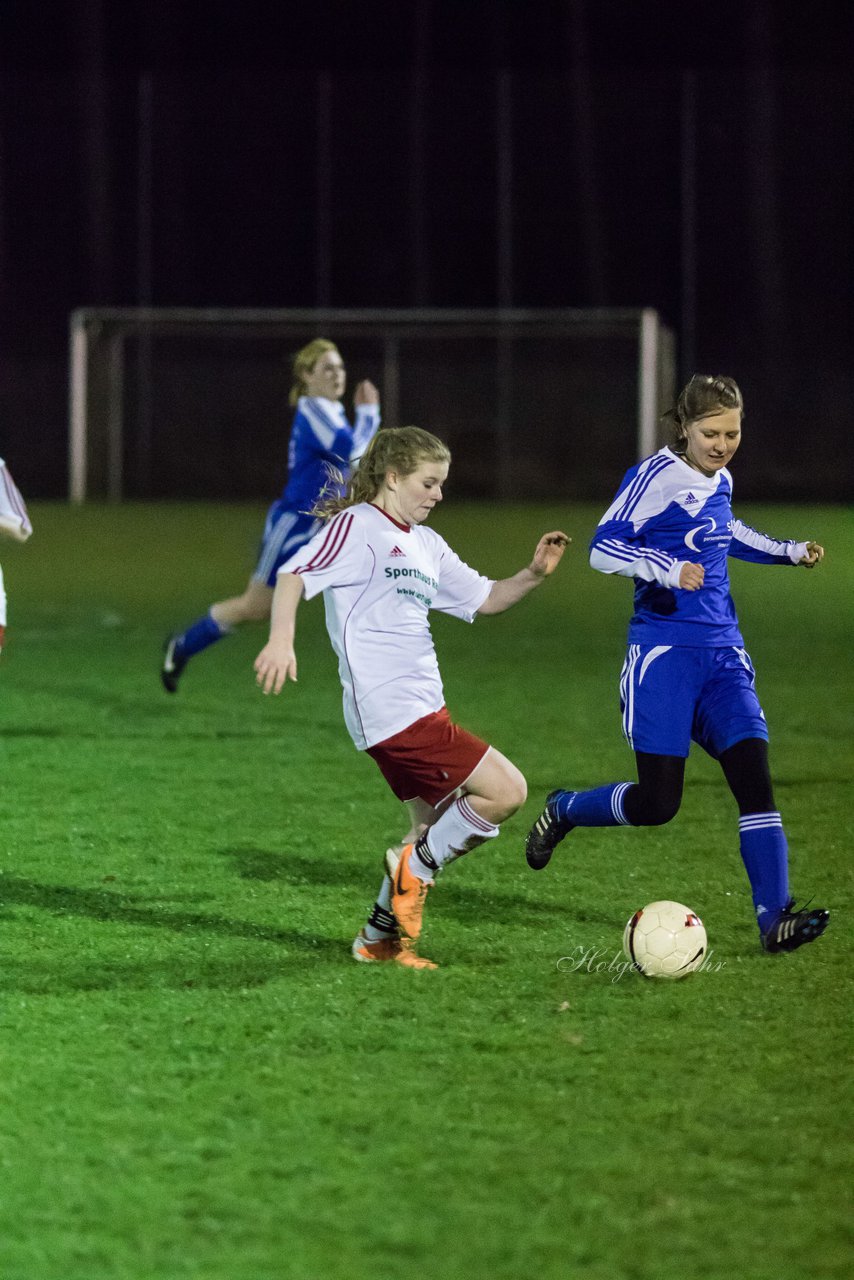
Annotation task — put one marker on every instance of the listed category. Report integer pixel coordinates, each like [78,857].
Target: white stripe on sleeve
[323,426]
[612,555]
[787,550]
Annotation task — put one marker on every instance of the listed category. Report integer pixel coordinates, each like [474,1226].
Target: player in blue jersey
[687,675]
[321,439]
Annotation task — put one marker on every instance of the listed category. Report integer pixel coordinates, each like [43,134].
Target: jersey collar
[404,528]
[697,478]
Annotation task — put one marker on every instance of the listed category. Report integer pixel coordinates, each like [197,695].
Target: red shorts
[429,759]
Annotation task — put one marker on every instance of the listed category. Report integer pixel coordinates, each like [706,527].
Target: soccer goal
[184,403]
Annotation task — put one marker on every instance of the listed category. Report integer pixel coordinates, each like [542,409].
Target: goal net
[179,403]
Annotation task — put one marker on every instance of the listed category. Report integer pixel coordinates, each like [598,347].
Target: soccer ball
[665,940]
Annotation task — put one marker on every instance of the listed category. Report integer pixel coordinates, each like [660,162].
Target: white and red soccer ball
[665,940]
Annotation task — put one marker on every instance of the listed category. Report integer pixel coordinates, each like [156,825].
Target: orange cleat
[389,951]
[408,894]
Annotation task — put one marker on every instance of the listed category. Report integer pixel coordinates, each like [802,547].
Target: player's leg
[493,791]
[253,605]
[381,922]
[436,760]
[764,850]
[730,725]
[379,939]
[284,532]
[657,693]
[650,802]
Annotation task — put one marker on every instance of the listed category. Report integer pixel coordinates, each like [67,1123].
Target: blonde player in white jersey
[381,571]
[14,523]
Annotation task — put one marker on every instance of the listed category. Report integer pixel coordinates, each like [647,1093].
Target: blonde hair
[400,449]
[705,396]
[304,362]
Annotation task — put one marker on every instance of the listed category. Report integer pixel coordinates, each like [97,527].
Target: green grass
[196,1081]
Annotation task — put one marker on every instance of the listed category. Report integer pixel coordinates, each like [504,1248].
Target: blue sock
[601,807]
[765,854]
[205,631]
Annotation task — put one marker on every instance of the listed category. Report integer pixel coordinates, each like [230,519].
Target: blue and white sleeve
[367,423]
[617,548]
[619,544]
[749,544]
[328,435]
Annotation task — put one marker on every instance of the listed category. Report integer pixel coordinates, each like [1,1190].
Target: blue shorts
[285,532]
[670,696]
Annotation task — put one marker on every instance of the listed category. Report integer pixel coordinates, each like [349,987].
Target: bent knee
[249,608]
[256,613]
[656,811]
[514,792]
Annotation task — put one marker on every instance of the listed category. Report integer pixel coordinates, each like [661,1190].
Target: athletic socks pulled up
[765,854]
[381,922]
[600,807]
[199,635]
[459,829]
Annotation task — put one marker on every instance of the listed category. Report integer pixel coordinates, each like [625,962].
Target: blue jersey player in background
[321,438]
[687,674]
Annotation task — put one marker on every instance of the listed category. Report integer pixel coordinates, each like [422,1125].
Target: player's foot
[791,928]
[389,951]
[408,894]
[546,833]
[173,664]
[390,861]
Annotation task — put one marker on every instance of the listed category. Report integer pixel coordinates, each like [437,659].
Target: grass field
[198,1082]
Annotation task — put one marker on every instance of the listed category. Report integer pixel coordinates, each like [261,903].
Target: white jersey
[14,522]
[380,578]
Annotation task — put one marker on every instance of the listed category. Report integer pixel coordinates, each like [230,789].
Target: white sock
[457,831]
[381,922]
[384,895]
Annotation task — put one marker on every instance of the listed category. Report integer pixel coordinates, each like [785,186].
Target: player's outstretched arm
[509,591]
[277,663]
[814,555]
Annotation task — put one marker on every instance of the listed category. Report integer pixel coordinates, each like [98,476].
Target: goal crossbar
[88,325]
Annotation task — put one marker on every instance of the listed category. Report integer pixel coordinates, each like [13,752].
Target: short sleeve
[337,556]
[14,519]
[462,590]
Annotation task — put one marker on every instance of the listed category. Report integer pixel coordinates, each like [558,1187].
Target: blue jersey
[322,437]
[665,514]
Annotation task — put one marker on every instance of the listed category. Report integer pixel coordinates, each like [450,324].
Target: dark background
[692,157]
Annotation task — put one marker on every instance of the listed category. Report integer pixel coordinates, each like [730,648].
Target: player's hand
[691,576]
[549,553]
[366,393]
[814,555]
[274,665]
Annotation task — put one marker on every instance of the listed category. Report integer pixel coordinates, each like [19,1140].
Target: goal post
[191,402]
